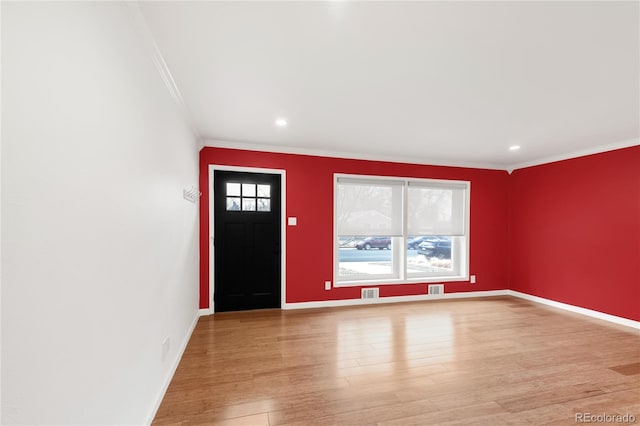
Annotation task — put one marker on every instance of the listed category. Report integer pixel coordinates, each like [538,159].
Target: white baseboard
[576,309]
[205,312]
[393,299]
[172,371]
[463,295]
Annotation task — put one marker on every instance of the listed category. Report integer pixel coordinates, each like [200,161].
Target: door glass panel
[233,189]
[248,190]
[233,203]
[264,191]
[248,197]
[264,205]
[249,204]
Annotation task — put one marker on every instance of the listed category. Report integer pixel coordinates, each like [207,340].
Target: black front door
[247,233]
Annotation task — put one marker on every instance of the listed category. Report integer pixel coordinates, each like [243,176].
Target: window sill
[394,281]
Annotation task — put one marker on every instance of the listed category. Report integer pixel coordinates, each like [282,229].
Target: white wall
[99,250]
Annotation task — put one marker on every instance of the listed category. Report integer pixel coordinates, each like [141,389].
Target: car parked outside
[414,242]
[440,248]
[374,242]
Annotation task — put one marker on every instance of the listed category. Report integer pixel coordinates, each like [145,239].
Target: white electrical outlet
[472,279]
[327,285]
[166,347]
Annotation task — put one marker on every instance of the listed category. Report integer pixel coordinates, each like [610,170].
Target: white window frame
[459,245]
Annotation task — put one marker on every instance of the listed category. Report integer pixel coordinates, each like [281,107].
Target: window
[248,197]
[399,230]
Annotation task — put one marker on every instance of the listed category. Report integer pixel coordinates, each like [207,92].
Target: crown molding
[283,149]
[215,143]
[141,26]
[575,154]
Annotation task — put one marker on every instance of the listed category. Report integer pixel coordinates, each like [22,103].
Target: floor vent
[436,289]
[370,293]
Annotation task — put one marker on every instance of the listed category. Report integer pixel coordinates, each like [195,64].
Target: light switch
[292,221]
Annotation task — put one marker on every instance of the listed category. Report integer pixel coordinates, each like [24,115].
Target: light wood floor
[480,362]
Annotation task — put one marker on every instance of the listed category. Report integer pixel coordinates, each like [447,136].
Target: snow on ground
[415,264]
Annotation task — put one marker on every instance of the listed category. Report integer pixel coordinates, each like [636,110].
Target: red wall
[309,245]
[575,232]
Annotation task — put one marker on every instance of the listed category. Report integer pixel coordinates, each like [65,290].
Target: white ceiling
[431,82]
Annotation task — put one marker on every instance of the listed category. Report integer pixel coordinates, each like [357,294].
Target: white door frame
[283,233]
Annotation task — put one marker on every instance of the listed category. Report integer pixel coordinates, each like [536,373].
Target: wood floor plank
[469,413]
[479,361]
[628,369]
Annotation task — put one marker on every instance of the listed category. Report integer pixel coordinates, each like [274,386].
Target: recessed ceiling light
[514,147]
[281,122]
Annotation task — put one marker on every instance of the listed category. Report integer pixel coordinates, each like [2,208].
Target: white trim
[577,309]
[374,281]
[206,311]
[283,226]
[149,40]
[215,143]
[575,154]
[509,168]
[400,274]
[464,295]
[429,182]
[211,169]
[172,372]
[394,299]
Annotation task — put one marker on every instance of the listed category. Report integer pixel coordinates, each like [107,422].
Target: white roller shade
[369,207]
[436,208]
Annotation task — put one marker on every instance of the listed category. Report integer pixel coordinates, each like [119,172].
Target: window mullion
[405,238]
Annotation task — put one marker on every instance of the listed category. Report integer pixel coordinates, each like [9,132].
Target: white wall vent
[370,293]
[436,289]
